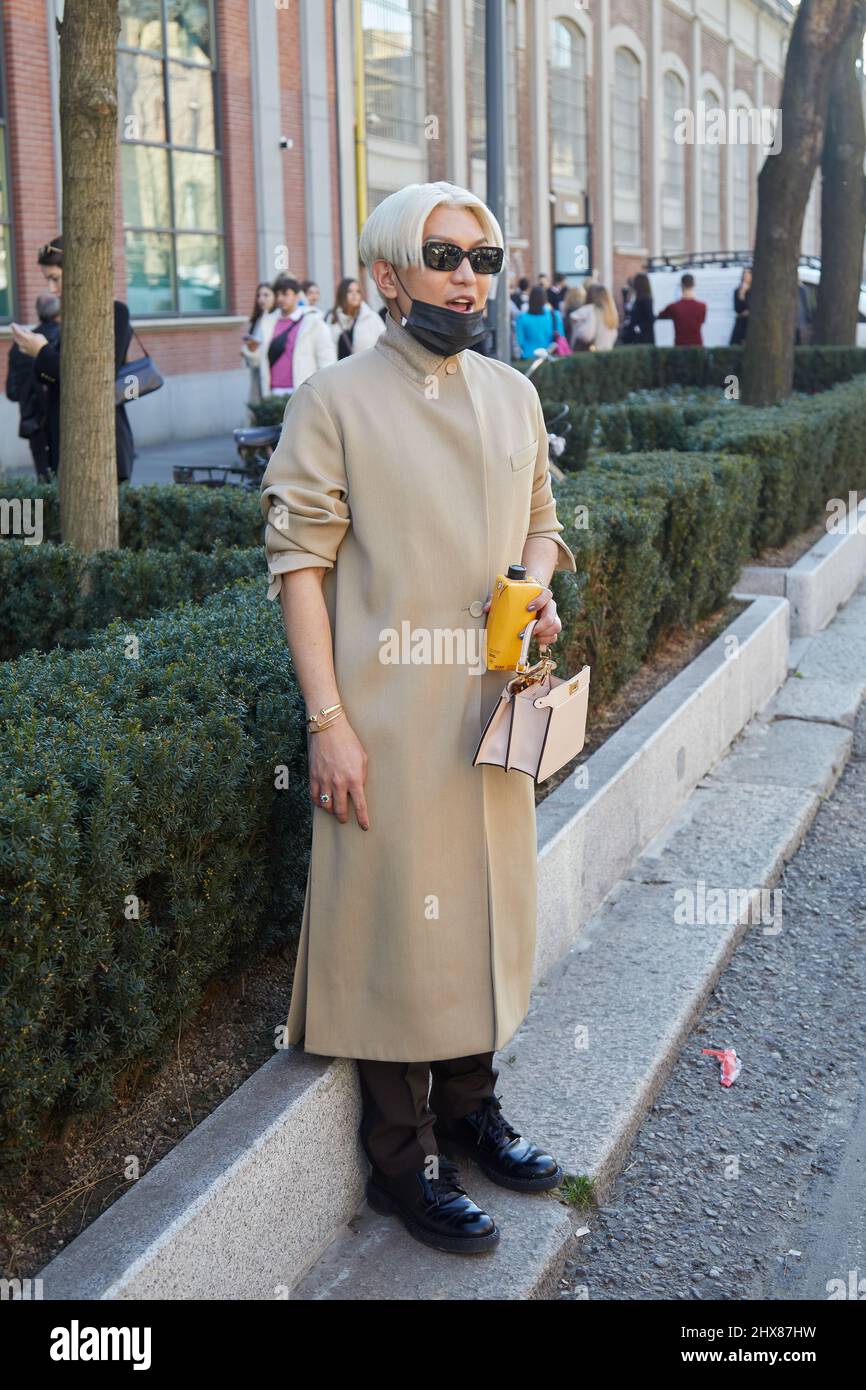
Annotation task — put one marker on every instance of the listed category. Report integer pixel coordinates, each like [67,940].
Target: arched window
[477,80]
[711,185]
[741,155]
[627,219]
[568,141]
[394,69]
[673,168]
[170,162]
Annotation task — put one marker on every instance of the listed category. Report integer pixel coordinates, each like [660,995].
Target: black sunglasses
[445,255]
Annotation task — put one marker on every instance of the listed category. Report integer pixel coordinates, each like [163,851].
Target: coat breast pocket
[522,458]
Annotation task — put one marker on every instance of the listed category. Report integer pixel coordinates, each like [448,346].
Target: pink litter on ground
[731,1066]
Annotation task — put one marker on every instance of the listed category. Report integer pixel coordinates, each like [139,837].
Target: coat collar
[409,356]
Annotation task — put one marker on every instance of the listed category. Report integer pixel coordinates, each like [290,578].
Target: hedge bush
[808,450]
[665,539]
[152,777]
[597,378]
[159,516]
[53,595]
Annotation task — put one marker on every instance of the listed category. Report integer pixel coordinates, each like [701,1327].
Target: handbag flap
[563,690]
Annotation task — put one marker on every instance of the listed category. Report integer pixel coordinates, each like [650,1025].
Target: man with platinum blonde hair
[406,478]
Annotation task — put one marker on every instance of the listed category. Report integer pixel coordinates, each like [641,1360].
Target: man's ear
[386,282]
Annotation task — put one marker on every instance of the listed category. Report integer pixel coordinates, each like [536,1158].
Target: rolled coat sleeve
[304,492]
[543,520]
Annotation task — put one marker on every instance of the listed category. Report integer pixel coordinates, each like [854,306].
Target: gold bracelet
[317,728]
[325,716]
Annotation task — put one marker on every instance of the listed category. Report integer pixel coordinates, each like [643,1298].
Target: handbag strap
[523,659]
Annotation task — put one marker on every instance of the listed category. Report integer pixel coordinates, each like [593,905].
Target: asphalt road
[759,1191]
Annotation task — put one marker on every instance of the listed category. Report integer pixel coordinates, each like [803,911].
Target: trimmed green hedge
[665,537]
[160,516]
[809,451]
[597,378]
[152,777]
[52,595]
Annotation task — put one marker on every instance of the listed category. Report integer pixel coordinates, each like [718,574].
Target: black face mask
[442,330]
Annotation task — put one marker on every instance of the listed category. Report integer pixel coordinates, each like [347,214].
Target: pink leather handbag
[538,724]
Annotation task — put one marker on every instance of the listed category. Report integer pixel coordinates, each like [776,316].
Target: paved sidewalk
[154,462]
[759,1191]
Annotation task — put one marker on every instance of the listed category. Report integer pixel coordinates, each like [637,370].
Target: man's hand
[549,624]
[338,766]
[29,342]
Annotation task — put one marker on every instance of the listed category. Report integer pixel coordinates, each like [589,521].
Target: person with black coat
[46,362]
[639,327]
[742,295]
[24,387]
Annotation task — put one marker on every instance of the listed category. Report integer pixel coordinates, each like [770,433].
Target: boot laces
[494,1124]
[446,1186]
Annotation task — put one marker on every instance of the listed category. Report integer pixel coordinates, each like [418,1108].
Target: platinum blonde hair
[394,230]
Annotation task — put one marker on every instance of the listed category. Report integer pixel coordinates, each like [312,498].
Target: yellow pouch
[507,617]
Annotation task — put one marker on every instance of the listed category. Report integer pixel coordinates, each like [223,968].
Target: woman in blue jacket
[538,324]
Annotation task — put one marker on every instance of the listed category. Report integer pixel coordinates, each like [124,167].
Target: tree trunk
[88,128]
[820,30]
[843,202]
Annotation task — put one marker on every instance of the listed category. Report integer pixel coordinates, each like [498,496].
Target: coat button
[451,368]
[477,607]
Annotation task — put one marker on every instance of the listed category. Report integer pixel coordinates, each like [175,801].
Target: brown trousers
[397,1123]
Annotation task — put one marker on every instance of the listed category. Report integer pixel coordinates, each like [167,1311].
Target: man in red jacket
[688,314]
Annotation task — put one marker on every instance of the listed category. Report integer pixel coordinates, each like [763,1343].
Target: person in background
[575,298]
[639,327]
[742,295]
[556,293]
[688,314]
[311,294]
[296,341]
[46,363]
[596,325]
[353,324]
[263,308]
[31,394]
[537,326]
[520,296]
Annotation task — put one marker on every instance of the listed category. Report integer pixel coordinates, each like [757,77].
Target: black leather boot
[435,1211]
[500,1152]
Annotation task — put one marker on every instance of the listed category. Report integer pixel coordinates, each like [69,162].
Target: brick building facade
[238,158]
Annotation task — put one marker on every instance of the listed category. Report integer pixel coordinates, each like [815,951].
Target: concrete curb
[246,1203]
[821,580]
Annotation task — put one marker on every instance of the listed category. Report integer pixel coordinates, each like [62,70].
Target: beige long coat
[415,479]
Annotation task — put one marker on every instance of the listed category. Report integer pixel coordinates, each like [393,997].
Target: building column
[656,109]
[697,150]
[54,72]
[455,87]
[315,106]
[346,191]
[538,93]
[728,149]
[759,154]
[603,220]
[267,125]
